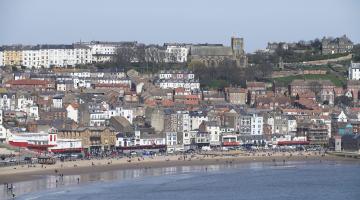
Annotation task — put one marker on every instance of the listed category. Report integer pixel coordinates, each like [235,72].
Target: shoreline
[23,173]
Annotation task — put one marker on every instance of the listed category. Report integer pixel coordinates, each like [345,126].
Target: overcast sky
[159,21]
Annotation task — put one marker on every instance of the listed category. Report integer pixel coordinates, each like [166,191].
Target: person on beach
[78,180]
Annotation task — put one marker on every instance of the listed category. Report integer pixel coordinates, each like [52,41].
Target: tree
[316,87]
[343,101]
[125,55]
[140,54]
[316,45]
[356,53]
[155,57]
[194,65]
[172,56]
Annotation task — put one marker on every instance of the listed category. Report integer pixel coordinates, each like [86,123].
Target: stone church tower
[237,45]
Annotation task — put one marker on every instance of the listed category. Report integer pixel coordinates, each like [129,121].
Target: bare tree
[154,54]
[124,55]
[140,54]
[316,87]
[173,55]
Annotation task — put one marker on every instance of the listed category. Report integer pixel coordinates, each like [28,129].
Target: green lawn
[285,81]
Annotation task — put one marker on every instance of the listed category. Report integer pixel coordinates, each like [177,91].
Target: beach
[26,172]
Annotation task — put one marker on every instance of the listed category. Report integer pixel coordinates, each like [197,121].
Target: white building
[81,83]
[98,118]
[114,80]
[141,140]
[2,128]
[33,58]
[176,53]
[292,125]
[256,124]
[184,117]
[1,117]
[196,119]
[33,112]
[105,51]
[188,85]
[354,71]
[23,102]
[7,101]
[56,55]
[171,139]
[176,74]
[102,51]
[63,145]
[1,58]
[229,140]
[70,55]
[342,117]
[172,142]
[57,101]
[60,86]
[214,130]
[73,112]
[80,74]
[127,113]
[187,136]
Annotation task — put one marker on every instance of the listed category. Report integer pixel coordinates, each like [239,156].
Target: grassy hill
[285,81]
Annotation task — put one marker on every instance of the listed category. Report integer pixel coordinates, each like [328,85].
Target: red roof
[255,84]
[166,102]
[179,90]
[111,85]
[192,96]
[293,142]
[27,82]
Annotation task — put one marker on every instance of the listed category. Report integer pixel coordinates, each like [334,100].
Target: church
[217,54]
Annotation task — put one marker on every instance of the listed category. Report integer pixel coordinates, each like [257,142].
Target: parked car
[206,148]
[133,153]
[190,151]
[28,159]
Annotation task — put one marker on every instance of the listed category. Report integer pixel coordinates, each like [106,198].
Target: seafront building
[58,109]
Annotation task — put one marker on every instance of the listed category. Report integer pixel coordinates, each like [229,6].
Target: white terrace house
[354,71]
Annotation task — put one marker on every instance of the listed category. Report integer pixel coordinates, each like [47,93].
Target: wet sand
[25,173]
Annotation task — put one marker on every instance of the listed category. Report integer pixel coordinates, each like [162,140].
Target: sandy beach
[23,173]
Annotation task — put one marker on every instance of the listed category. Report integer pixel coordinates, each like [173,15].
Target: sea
[326,180]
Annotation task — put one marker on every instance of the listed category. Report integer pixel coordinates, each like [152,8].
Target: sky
[188,21]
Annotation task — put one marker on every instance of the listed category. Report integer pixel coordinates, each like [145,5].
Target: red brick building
[30,84]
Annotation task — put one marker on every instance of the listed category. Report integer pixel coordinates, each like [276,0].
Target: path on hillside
[320,62]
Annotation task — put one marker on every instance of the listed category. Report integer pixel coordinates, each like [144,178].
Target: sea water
[293,180]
